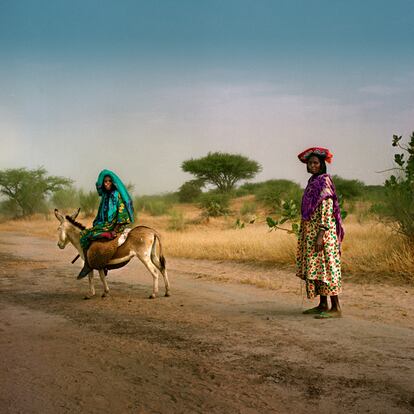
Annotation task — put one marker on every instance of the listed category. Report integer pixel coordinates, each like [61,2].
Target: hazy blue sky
[138,87]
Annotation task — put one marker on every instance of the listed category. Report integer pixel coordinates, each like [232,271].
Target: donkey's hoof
[87,297]
[167,294]
[105,295]
[153,296]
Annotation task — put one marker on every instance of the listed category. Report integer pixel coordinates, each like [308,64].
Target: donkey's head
[65,225]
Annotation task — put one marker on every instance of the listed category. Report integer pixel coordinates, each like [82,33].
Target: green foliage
[374,193]
[190,191]
[398,203]
[88,202]
[215,204]
[27,190]
[349,189]
[8,208]
[155,205]
[222,170]
[344,213]
[176,221]
[290,213]
[66,198]
[274,193]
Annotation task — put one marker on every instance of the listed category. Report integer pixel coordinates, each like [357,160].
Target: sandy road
[212,347]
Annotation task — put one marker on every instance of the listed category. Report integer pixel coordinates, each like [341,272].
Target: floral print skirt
[320,270]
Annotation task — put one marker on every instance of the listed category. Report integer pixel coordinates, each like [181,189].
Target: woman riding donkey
[115,213]
[321,234]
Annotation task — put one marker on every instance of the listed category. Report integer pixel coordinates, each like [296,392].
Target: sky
[140,86]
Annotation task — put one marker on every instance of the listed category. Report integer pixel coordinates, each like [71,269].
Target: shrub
[176,221]
[274,193]
[88,202]
[155,205]
[215,204]
[398,203]
[190,191]
[349,189]
[65,198]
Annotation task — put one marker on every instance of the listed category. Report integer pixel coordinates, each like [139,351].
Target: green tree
[28,190]
[190,191]
[222,170]
[398,203]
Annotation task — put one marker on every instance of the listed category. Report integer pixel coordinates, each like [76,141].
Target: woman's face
[314,165]
[108,183]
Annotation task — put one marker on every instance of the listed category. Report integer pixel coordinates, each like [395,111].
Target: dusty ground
[215,346]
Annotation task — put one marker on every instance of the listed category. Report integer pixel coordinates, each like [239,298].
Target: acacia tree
[27,190]
[222,169]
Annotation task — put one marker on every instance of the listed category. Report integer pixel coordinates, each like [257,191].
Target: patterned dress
[112,213]
[321,270]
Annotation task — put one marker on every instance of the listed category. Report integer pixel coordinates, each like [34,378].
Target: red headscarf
[322,152]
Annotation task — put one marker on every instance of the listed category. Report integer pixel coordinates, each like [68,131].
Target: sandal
[313,311]
[328,315]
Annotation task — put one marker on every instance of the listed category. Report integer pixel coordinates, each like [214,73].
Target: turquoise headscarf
[120,187]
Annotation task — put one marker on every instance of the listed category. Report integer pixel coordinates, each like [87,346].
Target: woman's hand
[319,241]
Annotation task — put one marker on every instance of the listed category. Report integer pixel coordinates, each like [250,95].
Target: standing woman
[320,237]
[115,213]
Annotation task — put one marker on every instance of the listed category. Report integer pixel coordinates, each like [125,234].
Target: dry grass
[253,243]
[370,250]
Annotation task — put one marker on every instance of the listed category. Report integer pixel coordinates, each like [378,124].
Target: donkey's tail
[162,260]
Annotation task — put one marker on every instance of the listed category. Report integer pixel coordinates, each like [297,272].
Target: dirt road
[212,347]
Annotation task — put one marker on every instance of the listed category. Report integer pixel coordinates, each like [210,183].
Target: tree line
[216,179]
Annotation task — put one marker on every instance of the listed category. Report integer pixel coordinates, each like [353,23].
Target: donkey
[141,242]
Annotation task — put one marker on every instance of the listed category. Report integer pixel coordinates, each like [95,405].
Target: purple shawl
[319,188]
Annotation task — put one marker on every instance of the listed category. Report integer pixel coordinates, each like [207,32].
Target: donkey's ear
[59,216]
[75,214]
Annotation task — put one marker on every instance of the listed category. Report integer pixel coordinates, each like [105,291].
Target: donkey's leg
[153,270]
[91,292]
[105,283]
[161,267]
[166,282]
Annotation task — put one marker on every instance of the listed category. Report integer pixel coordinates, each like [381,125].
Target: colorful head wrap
[120,187]
[321,152]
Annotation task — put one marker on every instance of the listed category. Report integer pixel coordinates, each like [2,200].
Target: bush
[398,204]
[374,193]
[176,221]
[65,199]
[88,202]
[274,193]
[215,204]
[155,205]
[349,189]
[190,191]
